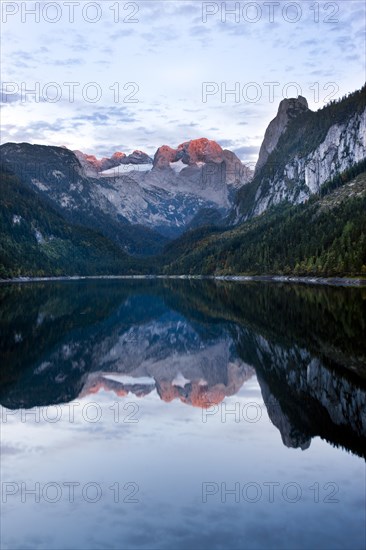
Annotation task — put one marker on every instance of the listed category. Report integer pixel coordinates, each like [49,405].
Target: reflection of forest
[197,341]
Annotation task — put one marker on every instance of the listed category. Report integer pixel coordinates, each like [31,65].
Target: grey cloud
[354,57]
[68,62]
[152,110]
[251,110]
[325,73]
[272,26]
[335,28]
[97,119]
[148,36]
[24,60]
[144,130]
[356,14]
[35,132]
[72,40]
[80,43]
[107,50]
[9,98]
[187,125]
[122,114]
[109,150]
[158,35]
[43,126]
[9,450]
[154,11]
[246,150]
[123,33]
[199,30]
[235,29]
[318,52]
[345,42]
[360,34]
[226,143]
[309,42]
[24,55]
[189,8]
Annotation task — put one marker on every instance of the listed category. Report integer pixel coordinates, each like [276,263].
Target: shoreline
[325,281]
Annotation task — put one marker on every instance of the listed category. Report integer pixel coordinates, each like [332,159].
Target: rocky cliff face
[343,146]
[287,110]
[302,150]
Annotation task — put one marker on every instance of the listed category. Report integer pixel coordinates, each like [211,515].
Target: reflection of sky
[169,453]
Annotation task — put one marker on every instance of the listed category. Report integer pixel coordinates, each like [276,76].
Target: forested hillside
[325,236]
[36,241]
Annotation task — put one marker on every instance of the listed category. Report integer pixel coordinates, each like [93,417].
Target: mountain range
[193,206]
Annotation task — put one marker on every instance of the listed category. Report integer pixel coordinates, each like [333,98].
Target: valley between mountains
[195,208]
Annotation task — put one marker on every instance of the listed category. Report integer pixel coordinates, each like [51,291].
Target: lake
[169,414]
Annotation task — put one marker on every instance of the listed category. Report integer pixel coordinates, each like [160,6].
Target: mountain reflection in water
[197,341]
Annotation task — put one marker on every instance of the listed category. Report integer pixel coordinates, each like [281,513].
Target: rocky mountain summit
[199,153]
[287,110]
[93,166]
[302,150]
[190,153]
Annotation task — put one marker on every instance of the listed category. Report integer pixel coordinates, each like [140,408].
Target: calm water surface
[176,414]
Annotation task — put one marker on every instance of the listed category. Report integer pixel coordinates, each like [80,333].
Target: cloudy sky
[106,76]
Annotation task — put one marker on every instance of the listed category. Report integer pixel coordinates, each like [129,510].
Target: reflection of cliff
[328,321]
[194,341]
[291,436]
[305,399]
